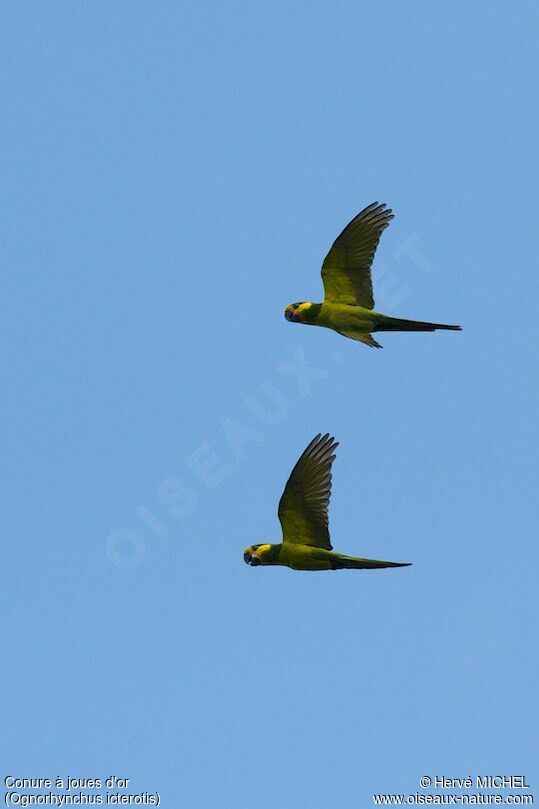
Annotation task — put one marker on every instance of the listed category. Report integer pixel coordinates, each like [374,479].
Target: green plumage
[303,513]
[348,305]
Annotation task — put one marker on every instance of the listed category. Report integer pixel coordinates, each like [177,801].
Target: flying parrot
[303,514]
[348,305]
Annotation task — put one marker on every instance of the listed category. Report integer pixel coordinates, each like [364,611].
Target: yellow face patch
[304,306]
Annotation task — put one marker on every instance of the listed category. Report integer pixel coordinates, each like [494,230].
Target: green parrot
[303,514]
[348,305]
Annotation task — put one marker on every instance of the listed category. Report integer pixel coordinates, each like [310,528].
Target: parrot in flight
[303,514]
[348,305]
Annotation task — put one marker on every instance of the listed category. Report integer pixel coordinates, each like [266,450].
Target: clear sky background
[174,175]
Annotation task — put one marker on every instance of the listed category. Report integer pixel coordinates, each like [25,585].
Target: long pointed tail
[385,323]
[340,561]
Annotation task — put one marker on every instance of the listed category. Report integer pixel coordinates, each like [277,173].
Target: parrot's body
[348,306]
[305,557]
[304,519]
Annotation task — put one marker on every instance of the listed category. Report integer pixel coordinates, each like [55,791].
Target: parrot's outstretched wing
[346,271]
[303,508]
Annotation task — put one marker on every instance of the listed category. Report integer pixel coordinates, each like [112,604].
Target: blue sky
[174,175]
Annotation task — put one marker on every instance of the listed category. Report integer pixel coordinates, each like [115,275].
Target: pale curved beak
[254,561]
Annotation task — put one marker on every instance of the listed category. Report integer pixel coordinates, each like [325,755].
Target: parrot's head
[296,312]
[254,555]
